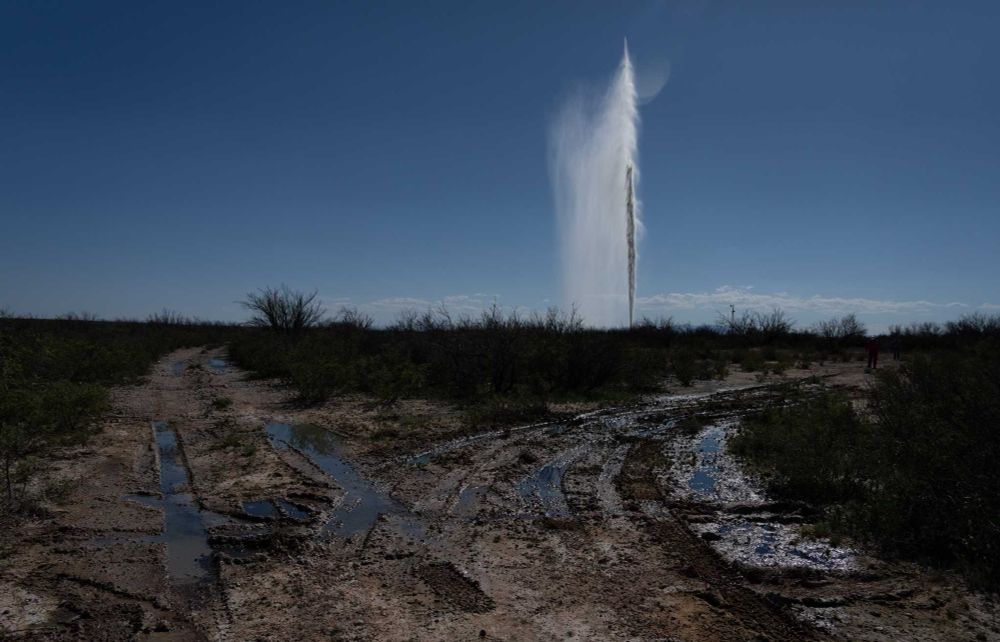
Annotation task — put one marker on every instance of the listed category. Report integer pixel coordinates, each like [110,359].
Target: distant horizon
[687,309]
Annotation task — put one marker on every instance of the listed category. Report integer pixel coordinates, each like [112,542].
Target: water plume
[595,172]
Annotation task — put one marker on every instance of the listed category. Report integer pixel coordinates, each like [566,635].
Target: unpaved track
[558,531]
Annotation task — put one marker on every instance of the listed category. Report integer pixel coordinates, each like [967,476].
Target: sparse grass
[752,361]
[823,530]
[474,362]
[232,440]
[54,380]
[684,367]
[494,412]
[383,434]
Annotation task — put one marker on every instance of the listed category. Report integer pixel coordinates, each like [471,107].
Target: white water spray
[595,169]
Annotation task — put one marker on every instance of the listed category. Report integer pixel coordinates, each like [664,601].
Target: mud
[349,521]
[363,504]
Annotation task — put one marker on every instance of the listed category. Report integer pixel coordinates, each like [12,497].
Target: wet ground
[268,521]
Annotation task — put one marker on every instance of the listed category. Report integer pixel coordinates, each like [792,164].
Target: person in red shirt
[872,348]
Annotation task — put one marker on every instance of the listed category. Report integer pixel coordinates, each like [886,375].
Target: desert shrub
[592,360]
[807,450]
[779,367]
[643,369]
[316,380]
[916,475]
[839,333]
[390,376]
[938,426]
[684,366]
[752,362]
[283,310]
[757,327]
[54,376]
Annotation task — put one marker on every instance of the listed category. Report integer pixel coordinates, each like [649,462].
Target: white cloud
[388,309]
[689,306]
[743,297]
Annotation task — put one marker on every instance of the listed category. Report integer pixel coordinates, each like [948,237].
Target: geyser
[595,170]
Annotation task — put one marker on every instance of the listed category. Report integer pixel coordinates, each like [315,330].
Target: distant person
[894,346]
[872,348]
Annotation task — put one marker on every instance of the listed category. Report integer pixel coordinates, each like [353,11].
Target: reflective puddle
[275,509]
[263,509]
[707,473]
[363,502]
[293,511]
[189,555]
[186,536]
[185,533]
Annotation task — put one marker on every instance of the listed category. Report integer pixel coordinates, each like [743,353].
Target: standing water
[595,168]
[185,534]
[363,502]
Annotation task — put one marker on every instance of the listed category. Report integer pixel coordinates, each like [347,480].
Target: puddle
[219,365]
[189,555]
[769,544]
[186,527]
[363,502]
[293,511]
[705,472]
[262,508]
[267,509]
[708,473]
[177,368]
[544,486]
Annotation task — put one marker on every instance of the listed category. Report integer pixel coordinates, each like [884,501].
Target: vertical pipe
[630,240]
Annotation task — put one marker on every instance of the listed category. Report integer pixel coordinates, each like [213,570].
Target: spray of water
[595,170]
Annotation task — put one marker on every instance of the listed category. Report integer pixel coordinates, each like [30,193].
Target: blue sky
[176,155]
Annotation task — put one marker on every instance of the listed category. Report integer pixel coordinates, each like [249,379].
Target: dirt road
[210,507]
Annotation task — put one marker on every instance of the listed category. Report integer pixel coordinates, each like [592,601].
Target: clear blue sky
[177,155]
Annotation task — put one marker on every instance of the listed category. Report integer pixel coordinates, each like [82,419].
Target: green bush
[54,379]
[684,366]
[316,381]
[643,369]
[807,451]
[752,361]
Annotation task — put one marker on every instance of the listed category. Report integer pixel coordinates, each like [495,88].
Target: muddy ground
[211,507]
